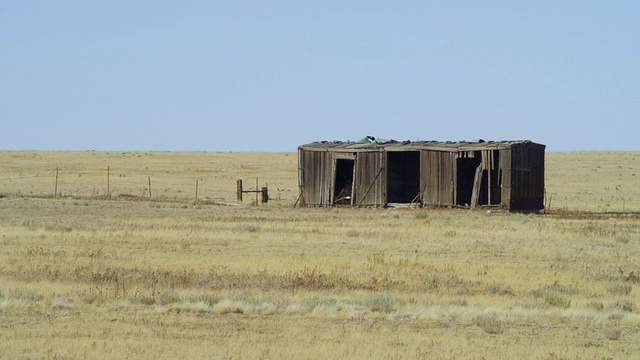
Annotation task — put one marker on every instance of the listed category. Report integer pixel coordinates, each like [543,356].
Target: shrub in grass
[380,302]
[562,289]
[489,324]
[246,297]
[313,302]
[557,300]
[619,288]
[623,239]
[533,304]
[458,301]
[60,305]
[432,282]
[553,294]
[230,307]
[592,345]
[142,299]
[209,299]
[29,296]
[613,333]
[166,298]
[596,305]
[450,233]
[499,289]
[552,298]
[93,299]
[352,233]
[622,305]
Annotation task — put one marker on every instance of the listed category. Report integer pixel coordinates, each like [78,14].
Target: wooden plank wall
[521,168]
[371,179]
[438,177]
[505,169]
[316,172]
[527,178]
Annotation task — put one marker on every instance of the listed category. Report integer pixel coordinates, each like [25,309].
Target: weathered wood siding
[513,173]
[315,177]
[527,164]
[370,181]
[437,177]
[505,169]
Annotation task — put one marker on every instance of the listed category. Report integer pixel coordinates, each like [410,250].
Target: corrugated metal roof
[370,144]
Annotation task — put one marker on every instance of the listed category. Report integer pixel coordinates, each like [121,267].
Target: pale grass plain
[83,276]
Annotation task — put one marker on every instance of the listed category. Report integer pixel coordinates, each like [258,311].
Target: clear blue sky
[271,75]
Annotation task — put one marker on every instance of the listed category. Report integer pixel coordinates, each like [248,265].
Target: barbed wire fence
[105,183]
[165,185]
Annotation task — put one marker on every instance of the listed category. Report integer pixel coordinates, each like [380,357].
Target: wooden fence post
[262,194]
[55,191]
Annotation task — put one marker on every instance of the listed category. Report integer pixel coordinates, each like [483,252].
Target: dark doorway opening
[489,190]
[403,176]
[495,179]
[466,169]
[343,182]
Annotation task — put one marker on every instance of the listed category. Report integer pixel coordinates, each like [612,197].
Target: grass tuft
[64,305]
[253,227]
[619,288]
[380,302]
[613,333]
[166,298]
[352,233]
[229,307]
[562,289]
[421,215]
[458,301]
[29,296]
[489,323]
[552,295]
[595,305]
[205,298]
[499,289]
[93,299]
[622,305]
[141,299]
[314,302]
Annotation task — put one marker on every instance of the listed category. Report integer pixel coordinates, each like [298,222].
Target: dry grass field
[86,276]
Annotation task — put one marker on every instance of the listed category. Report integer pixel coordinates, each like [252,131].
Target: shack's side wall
[527,177]
[315,177]
[505,170]
[370,179]
[438,177]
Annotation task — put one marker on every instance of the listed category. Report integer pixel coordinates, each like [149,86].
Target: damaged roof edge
[371,143]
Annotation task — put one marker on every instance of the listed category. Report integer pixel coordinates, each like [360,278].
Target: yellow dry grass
[85,277]
[601,181]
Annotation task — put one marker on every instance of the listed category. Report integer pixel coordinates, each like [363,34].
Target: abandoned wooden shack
[504,174]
